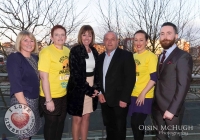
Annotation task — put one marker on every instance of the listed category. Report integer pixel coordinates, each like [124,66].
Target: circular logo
[19,119]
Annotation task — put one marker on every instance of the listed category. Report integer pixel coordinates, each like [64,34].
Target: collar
[171,49]
[111,53]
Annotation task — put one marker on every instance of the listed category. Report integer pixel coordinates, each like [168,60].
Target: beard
[166,44]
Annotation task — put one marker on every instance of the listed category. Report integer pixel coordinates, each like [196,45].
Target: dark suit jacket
[173,81]
[120,77]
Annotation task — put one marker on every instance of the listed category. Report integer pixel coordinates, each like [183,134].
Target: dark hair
[84,29]
[172,25]
[142,32]
[57,27]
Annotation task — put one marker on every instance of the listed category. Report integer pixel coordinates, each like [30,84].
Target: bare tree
[150,14]
[195,53]
[38,16]
[125,17]
[111,19]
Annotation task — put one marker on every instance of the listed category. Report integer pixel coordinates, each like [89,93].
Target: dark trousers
[167,129]
[54,122]
[114,119]
[137,120]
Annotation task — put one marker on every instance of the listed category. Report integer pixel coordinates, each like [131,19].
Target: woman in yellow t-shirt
[142,95]
[54,73]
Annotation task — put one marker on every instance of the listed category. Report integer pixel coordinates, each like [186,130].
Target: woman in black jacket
[83,84]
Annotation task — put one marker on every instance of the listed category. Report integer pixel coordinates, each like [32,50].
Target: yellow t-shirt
[146,63]
[56,63]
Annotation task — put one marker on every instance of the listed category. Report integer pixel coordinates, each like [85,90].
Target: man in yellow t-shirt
[56,63]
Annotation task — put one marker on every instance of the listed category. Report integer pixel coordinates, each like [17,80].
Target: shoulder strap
[35,57]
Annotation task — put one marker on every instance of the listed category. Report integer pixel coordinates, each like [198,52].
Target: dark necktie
[162,60]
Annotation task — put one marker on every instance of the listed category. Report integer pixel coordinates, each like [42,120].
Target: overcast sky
[93,16]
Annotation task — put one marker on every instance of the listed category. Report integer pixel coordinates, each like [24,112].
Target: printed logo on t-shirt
[64,70]
[64,84]
[137,62]
[65,65]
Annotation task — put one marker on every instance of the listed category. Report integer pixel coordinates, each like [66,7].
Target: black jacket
[77,86]
[120,77]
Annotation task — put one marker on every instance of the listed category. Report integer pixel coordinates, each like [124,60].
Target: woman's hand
[46,89]
[96,92]
[140,99]
[21,98]
[50,106]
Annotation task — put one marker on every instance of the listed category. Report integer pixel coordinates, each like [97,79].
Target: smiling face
[27,45]
[86,38]
[167,36]
[140,42]
[58,37]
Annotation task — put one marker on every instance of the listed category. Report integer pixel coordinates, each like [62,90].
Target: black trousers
[54,121]
[167,129]
[137,120]
[114,119]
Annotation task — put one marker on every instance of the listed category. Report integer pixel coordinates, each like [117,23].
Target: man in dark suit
[174,76]
[117,77]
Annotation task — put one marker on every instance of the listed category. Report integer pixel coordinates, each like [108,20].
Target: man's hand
[122,104]
[168,115]
[101,98]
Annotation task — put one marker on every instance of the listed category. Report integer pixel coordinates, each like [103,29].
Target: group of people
[62,81]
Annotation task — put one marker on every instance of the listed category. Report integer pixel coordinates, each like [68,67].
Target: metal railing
[97,130]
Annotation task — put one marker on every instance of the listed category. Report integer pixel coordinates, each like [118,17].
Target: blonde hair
[21,36]
[84,29]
